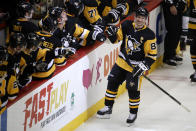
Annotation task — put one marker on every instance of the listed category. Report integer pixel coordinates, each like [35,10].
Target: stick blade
[188,110]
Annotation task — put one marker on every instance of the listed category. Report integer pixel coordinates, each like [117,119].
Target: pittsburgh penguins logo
[132,45]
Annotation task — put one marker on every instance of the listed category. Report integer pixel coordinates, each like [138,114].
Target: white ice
[157,111]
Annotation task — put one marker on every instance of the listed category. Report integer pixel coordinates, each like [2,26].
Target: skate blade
[107,116]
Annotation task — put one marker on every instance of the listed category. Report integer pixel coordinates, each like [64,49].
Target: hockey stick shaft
[173,98]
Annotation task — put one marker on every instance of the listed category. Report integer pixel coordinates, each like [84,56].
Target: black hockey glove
[112,30]
[112,17]
[24,81]
[121,8]
[98,34]
[69,51]
[139,69]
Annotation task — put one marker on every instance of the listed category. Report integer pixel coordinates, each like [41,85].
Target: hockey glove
[99,28]
[139,69]
[121,8]
[112,30]
[64,51]
[98,34]
[22,82]
[112,17]
[69,51]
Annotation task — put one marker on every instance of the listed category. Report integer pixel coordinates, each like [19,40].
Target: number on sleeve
[153,46]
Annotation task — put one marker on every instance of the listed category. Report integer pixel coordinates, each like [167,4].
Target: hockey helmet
[141,11]
[3,54]
[23,8]
[49,24]
[55,12]
[78,5]
[32,40]
[17,40]
[75,2]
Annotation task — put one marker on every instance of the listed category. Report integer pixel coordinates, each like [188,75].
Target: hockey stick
[166,93]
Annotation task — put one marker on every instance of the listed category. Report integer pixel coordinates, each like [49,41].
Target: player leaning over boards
[138,52]
[23,23]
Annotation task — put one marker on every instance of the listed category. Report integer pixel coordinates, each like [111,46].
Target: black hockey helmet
[17,40]
[141,11]
[49,24]
[55,12]
[23,7]
[74,1]
[3,54]
[78,5]
[32,40]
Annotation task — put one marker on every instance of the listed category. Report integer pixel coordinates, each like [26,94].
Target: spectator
[173,21]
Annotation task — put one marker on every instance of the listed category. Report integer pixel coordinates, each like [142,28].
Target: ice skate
[105,112]
[193,78]
[178,59]
[131,119]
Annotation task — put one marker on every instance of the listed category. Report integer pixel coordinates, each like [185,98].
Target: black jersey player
[138,52]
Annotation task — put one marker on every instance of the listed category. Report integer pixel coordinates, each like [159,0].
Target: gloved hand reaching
[112,30]
[112,17]
[121,8]
[70,51]
[98,34]
[67,52]
[139,69]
